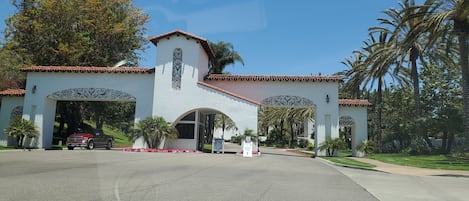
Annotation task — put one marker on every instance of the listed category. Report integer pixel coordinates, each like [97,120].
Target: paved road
[398,187]
[115,175]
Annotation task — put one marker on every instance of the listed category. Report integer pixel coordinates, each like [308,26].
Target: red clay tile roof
[267,78]
[228,92]
[87,69]
[13,92]
[202,41]
[354,102]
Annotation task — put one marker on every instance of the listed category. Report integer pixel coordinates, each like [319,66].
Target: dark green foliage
[331,146]
[154,130]
[21,129]
[366,147]
[224,55]
[76,32]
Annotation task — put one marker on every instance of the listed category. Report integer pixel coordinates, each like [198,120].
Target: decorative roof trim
[354,102]
[177,32]
[228,93]
[87,69]
[13,92]
[272,78]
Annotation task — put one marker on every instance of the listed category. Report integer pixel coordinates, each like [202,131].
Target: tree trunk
[292,137]
[450,143]
[444,142]
[463,53]
[379,100]
[414,54]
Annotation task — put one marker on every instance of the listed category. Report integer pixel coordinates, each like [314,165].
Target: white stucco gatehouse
[180,89]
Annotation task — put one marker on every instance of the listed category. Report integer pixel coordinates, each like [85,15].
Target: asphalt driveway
[117,175]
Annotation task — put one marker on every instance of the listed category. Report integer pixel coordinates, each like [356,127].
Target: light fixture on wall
[327,98]
[34,89]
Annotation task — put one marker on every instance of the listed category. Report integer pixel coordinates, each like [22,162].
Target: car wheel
[70,148]
[90,145]
[109,145]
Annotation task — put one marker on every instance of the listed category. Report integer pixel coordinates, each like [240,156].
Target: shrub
[366,147]
[303,143]
[331,145]
[310,146]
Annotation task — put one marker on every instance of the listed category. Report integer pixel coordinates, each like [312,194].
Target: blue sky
[274,37]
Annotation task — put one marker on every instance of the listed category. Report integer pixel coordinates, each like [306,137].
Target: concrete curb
[21,150]
[350,166]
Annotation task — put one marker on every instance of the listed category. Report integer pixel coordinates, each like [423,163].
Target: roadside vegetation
[447,162]
[349,162]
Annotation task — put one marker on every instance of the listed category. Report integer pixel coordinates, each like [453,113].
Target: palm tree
[353,76]
[225,123]
[380,62]
[457,13]
[225,55]
[406,50]
[21,128]
[154,130]
[278,116]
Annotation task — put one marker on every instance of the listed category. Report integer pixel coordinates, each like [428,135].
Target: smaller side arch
[346,121]
[16,112]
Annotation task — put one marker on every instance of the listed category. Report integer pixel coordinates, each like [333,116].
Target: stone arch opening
[91,119]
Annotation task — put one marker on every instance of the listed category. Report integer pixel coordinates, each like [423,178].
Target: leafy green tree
[154,131]
[456,13]
[73,33]
[21,128]
[224,55]
[76,32]
[442,99]
[406,50]
[10,75]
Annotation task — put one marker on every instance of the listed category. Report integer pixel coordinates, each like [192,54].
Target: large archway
[287,118]
[100,97]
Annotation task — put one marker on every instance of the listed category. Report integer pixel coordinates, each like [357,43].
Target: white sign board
[247,149]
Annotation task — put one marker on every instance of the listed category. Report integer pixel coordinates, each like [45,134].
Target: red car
[90,141]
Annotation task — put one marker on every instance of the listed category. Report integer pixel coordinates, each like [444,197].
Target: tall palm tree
[224,55]
[353,76]
[455,12]
[407,50]
[225,123]
[381,63]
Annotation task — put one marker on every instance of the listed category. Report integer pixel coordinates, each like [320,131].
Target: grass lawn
[349,161]
[120,140]
[425,161]
[6,148]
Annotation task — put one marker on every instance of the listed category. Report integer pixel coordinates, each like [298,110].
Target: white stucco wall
[360,127]
[326,118]
[41,110]
[172,103]
[8,104]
